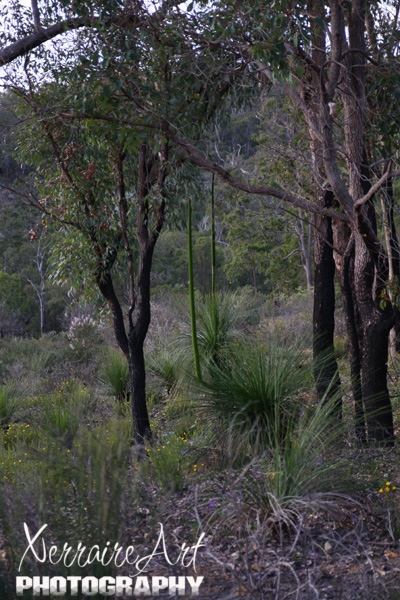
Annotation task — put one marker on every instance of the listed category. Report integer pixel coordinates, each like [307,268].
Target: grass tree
[193,326]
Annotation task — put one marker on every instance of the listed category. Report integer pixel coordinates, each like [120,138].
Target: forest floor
[347,551]
[306,520]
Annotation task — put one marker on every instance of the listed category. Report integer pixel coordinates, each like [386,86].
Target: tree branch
[40,36]
[387,175]
[30,42]
[36,15]
[194,156]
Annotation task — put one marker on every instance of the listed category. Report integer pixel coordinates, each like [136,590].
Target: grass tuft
[253,390]
[114,376]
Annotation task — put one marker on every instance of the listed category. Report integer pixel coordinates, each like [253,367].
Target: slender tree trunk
[388,235]
[137,377]
[136,338]
[392,248]
[345,270]
[254,277]
[326,372]
[42,299]
[325,367]
[309,260]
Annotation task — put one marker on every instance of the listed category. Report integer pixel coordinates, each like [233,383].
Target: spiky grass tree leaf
[114,376]
[221,322]
[254,393]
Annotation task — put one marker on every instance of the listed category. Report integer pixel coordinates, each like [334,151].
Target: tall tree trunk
[326,372]
[344,241]
[370,264]
[136,338]
[140,311]
[376,325]
[325,367]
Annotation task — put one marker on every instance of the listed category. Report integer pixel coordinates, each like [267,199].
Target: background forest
[200,288]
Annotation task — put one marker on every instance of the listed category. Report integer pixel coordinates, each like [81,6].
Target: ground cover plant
[288,502]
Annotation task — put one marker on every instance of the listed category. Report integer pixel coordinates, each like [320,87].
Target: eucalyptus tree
[104,167]
[320,56]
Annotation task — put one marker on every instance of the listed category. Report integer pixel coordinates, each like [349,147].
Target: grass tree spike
[191,294]
[213,260]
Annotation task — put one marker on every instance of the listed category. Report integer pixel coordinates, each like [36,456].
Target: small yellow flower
[387,483]
[387,489]
[393,488]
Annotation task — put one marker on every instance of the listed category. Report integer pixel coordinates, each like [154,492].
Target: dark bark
[376,325]
[325,367]
[370,262]
[106,288]
[136,338]
[140,309]
[371,271]
[137,373]
[346,280]
[326,372]
[132,347]
[374,384]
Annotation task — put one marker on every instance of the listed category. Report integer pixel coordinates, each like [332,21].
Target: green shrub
[170,461]
[221,321]
[77,492]
[20,434]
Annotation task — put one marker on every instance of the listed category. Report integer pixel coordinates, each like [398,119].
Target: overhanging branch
[196,158]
